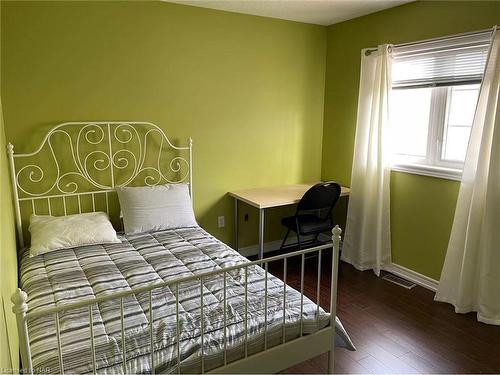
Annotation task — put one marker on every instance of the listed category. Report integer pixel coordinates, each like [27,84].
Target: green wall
[9,354]
[422,208]
[248,90]
[9,357]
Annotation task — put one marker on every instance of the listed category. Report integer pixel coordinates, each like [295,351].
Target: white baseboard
[271,245]
[419,279]
[254,249]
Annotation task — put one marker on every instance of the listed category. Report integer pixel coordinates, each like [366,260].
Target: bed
[170,301]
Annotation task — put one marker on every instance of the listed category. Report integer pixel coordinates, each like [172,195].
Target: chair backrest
[320,196]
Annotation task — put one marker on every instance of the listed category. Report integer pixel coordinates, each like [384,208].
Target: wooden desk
[268,197]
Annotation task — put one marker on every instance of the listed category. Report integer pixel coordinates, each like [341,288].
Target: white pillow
[49,233]
[153,208]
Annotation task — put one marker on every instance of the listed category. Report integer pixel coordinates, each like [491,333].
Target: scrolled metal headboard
[79,164]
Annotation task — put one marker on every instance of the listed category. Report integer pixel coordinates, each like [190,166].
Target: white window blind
[453,61]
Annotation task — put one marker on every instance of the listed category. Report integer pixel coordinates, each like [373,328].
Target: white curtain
[367,242]
[470,279]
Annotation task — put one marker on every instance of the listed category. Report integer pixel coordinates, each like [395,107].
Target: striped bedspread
[71,275]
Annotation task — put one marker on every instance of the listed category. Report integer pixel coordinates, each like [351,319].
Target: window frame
[433,165]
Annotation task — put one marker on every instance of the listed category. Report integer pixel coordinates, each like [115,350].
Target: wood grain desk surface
[267,197]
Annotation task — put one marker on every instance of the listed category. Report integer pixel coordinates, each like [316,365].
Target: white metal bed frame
[114,159]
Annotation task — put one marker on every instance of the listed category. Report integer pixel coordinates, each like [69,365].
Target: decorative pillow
[49,233]
[153,208]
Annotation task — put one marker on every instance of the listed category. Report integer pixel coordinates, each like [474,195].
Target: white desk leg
[261,233]
[236,223]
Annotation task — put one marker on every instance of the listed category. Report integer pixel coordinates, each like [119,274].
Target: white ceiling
[321,12]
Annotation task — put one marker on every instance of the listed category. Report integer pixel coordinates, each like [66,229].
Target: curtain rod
[454,36]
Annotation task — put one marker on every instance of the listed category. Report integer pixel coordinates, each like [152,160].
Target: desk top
[267,197]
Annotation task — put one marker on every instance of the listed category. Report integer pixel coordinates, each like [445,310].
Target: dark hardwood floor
[396,330]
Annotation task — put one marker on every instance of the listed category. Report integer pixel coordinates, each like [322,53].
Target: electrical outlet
[221,221]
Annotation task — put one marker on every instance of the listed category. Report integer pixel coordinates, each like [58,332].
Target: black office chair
[314,212]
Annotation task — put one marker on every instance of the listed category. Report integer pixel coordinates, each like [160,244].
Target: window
[432,126]
[435,91]
[461,104]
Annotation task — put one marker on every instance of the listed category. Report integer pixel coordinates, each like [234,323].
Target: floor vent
[399,281]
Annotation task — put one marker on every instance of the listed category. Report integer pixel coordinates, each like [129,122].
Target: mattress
[71,275]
